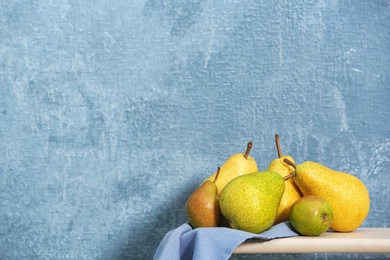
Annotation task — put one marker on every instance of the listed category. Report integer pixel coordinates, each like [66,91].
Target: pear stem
[248,149]
[289,163]
[291,175]
[292,165]
[277,142]
[216,175]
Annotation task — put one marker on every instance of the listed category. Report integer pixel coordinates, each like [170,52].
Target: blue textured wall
[112,112]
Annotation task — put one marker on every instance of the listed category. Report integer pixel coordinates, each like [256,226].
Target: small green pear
[311,215]
[202,206]
[250,202]
[236,165]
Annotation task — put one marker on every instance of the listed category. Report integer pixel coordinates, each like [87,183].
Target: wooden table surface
[362,240]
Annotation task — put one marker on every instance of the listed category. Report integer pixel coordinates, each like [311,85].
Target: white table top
[362,240]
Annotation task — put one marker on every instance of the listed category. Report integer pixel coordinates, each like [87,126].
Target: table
[361,240]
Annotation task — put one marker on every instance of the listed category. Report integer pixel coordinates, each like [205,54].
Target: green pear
[236,165]
[311,215]
[250,202]
[202,206]
[347,194]
[291,191]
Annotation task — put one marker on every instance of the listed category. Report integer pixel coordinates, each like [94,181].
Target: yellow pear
[347,194]
[236,165]
[291,192]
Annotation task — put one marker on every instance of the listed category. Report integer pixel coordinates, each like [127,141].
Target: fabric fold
[217,243]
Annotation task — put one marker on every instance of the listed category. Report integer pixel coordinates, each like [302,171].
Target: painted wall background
[112,112]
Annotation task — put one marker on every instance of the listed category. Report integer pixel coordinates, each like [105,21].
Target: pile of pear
[240,196]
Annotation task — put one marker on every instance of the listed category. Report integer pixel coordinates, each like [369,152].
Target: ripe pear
[347,194]
[202,206]
[250,202]
[311,215]
[291,191]
[236,165]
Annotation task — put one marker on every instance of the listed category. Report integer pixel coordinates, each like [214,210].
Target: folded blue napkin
[216,243]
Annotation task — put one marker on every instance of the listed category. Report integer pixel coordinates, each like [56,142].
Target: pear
[250,202]
[311,215]
[236,165]
[347,194]
[202,206]
[291,192]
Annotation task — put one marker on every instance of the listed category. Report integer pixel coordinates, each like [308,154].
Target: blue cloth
[216,243]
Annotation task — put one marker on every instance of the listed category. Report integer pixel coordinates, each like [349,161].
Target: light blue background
[112,112]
